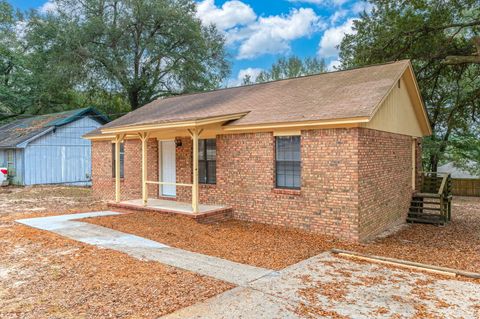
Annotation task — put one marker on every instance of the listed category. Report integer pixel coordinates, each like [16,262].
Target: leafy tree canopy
[25,86]
[289,67]
[115,55]
[440,38]
[144,49]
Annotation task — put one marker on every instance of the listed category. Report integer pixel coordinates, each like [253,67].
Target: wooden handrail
[168,183]
[442,186]
[436,173]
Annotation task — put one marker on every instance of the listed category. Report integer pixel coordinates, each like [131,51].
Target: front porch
[169,138]
[205,214]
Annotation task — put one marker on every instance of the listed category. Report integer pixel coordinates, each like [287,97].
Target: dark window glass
[288,162]
[122,160]
[207,161]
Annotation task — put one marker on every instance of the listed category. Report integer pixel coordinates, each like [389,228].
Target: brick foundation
[355,182]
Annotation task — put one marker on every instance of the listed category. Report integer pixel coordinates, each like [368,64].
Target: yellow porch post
[195,134]
[144,138]
[118,141]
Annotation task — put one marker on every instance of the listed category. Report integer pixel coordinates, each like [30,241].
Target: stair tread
[431,195]
[424,208]
[426,221]
[424,202]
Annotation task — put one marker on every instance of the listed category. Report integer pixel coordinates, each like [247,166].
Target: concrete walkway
[145,249]
[326,286]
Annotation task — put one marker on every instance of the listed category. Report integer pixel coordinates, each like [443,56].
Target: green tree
[430,33]
[291,67]
[13,96]
[143,49]
[27,85]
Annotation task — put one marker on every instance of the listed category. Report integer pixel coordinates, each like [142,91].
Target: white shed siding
[61,156]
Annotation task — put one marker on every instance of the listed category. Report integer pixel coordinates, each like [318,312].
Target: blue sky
[259,31]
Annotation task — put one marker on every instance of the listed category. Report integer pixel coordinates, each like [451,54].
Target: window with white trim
[288,162]
[207,161]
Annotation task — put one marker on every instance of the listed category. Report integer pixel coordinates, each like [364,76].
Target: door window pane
[122,160]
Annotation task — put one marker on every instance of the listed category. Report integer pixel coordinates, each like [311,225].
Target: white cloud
[254,35]
[48,7]
[333,65]
[337,16]
[21,29]
[339,2]
[273,34]
[332,37]
[317,2]
[336,3]
[360,6]
[232,13]
[252,72]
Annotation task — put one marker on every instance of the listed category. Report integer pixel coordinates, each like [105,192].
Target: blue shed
[49,149]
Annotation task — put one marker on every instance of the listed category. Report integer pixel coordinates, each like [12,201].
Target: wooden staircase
[432,205]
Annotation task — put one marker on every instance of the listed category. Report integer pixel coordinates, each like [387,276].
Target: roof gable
[397,113]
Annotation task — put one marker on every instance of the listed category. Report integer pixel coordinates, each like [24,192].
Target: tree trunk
[133,98]
[465,59]
[433,163]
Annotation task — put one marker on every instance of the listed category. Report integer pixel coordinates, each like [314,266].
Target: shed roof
[348,94]
[458,172]
[21,130]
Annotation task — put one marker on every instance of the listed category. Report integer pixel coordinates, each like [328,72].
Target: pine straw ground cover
[43,275]
[456,245]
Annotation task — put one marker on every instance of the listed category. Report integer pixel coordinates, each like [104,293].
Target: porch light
[178,142]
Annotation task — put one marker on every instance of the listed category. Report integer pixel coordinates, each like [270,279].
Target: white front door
[168,168]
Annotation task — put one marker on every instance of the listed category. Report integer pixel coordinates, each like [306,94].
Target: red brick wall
[385,183]
[419,164]
[355,182]
[327,202]
[131,185]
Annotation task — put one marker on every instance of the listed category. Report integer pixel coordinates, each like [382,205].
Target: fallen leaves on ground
[43,275]
[456,245]
[46,275]
[244,242]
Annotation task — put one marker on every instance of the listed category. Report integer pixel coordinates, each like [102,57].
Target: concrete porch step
[208,213]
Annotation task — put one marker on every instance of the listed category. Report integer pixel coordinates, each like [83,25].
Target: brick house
[335,153]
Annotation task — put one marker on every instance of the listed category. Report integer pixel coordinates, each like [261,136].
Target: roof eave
[424,109]
[174,124]
[25,142]
[298,124]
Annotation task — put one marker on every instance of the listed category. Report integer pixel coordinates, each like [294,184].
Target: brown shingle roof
[335,95]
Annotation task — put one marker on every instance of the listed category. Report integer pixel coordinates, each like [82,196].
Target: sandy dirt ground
[43,275]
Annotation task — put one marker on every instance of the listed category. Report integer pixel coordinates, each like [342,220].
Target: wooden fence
[466,187]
